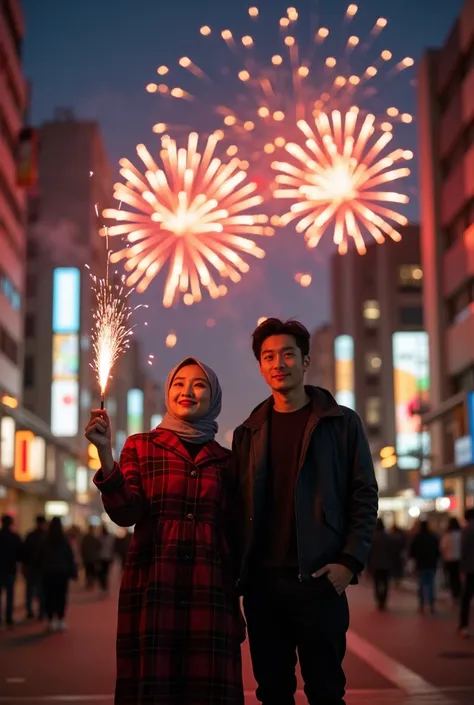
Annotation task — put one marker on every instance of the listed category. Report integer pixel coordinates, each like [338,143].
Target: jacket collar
[169,441]
[323,405]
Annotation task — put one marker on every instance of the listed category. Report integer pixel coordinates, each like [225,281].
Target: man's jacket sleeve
[363,496]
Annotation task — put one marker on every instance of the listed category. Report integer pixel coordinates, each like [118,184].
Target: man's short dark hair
[275,326]
[7,521]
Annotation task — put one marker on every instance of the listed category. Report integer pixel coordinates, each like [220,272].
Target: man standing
[34,589]
[467,571]
[309,497]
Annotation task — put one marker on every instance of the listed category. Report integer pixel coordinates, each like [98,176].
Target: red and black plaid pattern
[178,639]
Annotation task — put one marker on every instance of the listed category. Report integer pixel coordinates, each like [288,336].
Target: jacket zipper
[304,450]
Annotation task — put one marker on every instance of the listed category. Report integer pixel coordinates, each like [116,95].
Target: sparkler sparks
[111,330]
[193,211]
[335,180]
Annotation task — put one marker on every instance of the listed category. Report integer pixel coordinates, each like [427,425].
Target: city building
[60,387]
[13,103]
[446,158]
[37,471]
[321,369]
[381,356]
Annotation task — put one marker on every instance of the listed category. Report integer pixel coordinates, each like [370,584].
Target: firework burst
[325,81]
[192,212]
[111,330]
[335,179]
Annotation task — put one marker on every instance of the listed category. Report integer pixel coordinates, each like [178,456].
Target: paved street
[398,658]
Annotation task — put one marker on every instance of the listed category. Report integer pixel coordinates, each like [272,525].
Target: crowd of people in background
[50,557]
[422,552]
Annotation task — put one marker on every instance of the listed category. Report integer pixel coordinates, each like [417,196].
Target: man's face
[282,364]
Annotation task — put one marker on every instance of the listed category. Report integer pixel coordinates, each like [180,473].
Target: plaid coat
[179,628]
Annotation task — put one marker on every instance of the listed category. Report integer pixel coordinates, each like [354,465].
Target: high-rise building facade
[381,351]
[321,369]
[37,472]
[446,154]
[13,101]
[75,181]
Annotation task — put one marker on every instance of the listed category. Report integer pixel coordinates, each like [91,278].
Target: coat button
[190,516]
[186,558]
[193,473]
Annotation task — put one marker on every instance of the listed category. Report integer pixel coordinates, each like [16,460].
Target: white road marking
[15,679]
[395,672]
[107,698]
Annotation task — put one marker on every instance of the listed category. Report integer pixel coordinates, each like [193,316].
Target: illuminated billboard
[411,390]
[65,356]
[65,367]
[66,299]
[134,411]
[65,407]
[344,370]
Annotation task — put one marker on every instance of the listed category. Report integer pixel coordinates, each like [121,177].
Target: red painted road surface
[396,658]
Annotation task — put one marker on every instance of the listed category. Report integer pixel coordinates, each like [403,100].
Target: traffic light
[93,461]
[388,457]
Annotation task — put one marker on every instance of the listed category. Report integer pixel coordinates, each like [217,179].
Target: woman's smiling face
[190,393]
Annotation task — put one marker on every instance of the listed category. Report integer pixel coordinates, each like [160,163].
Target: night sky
[97,57]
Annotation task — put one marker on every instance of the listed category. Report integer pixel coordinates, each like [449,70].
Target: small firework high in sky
[277,100]
[193,211]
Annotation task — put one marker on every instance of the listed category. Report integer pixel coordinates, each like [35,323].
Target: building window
[10,292]
[371,311]
[410,276]
[30,326]
[411,316]
[373,363]
[29,371]
[461,304]
[31,286]
[8,346]
[373,411]
[463,382]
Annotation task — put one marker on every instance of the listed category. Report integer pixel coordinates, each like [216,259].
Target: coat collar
[323,405]
[209,453]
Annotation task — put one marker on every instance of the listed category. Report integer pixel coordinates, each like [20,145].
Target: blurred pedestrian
[467,571]
[122,544]
[11,554]
[34,589]
[57,567]
[399,543]
[424,551]
[380,564]
[450,548]
[179,622]
[106,557]
[90,550]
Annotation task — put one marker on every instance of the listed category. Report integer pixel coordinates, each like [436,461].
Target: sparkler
[336,179]
[111,330]
[193,211]
[335,171]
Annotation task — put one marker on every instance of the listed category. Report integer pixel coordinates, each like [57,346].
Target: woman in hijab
[179,624]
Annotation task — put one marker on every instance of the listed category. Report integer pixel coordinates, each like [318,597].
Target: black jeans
[381,583]
[7,584]
[466,597]
[104,571]
[34,590]
[453,572]
[55,587]
[286,617]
